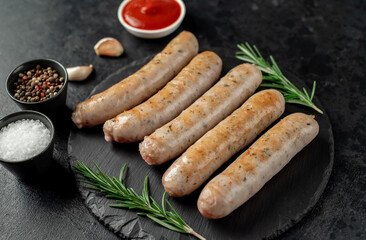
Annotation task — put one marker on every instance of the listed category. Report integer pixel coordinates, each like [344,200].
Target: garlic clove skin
[108,46]
[79,73]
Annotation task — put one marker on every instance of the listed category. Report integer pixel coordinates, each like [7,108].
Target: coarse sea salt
[23,139]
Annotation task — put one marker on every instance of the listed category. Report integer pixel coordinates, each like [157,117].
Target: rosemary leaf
[121,173]
[175,214]
[163,203]
[128,198]
[145,192]
[274,77]
[165,224]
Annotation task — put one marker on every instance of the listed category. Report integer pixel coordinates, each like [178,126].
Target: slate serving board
[280,204]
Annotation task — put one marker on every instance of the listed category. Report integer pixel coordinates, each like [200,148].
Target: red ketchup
[151,14]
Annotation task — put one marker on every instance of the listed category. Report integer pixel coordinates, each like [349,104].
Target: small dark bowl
[34,167]
[48,106]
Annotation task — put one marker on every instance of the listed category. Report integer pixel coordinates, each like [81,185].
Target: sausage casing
[219,144]
[218,102]
[194,79]
[140,85]
[257,165]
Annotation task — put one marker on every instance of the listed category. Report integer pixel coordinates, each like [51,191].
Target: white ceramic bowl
[152,33]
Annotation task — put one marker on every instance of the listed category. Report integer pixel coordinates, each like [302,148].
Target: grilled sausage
[133,125]
[219,144]
[257,165]
[218,102]
[140,85]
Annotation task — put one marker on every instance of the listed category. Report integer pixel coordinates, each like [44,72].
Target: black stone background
[316,40]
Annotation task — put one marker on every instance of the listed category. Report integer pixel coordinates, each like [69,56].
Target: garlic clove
[108,47]
[79,73]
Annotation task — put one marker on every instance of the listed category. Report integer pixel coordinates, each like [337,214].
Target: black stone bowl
[34,167]
[49,106]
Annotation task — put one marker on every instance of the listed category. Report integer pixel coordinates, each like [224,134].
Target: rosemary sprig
[127,198]
[274,77]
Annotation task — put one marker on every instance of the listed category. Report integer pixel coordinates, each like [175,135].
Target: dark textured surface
[322,41]
[280,204]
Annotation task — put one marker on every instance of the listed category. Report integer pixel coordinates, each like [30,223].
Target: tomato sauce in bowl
[151,18]
[151,14]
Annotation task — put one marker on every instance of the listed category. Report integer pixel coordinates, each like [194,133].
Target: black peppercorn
[37,84]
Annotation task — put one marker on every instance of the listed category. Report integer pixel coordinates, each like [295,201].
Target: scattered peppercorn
[37,84]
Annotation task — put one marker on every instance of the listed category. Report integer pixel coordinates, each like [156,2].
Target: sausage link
[140,85]
[257,165]
[219,144]
[218,102]
[133,125]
